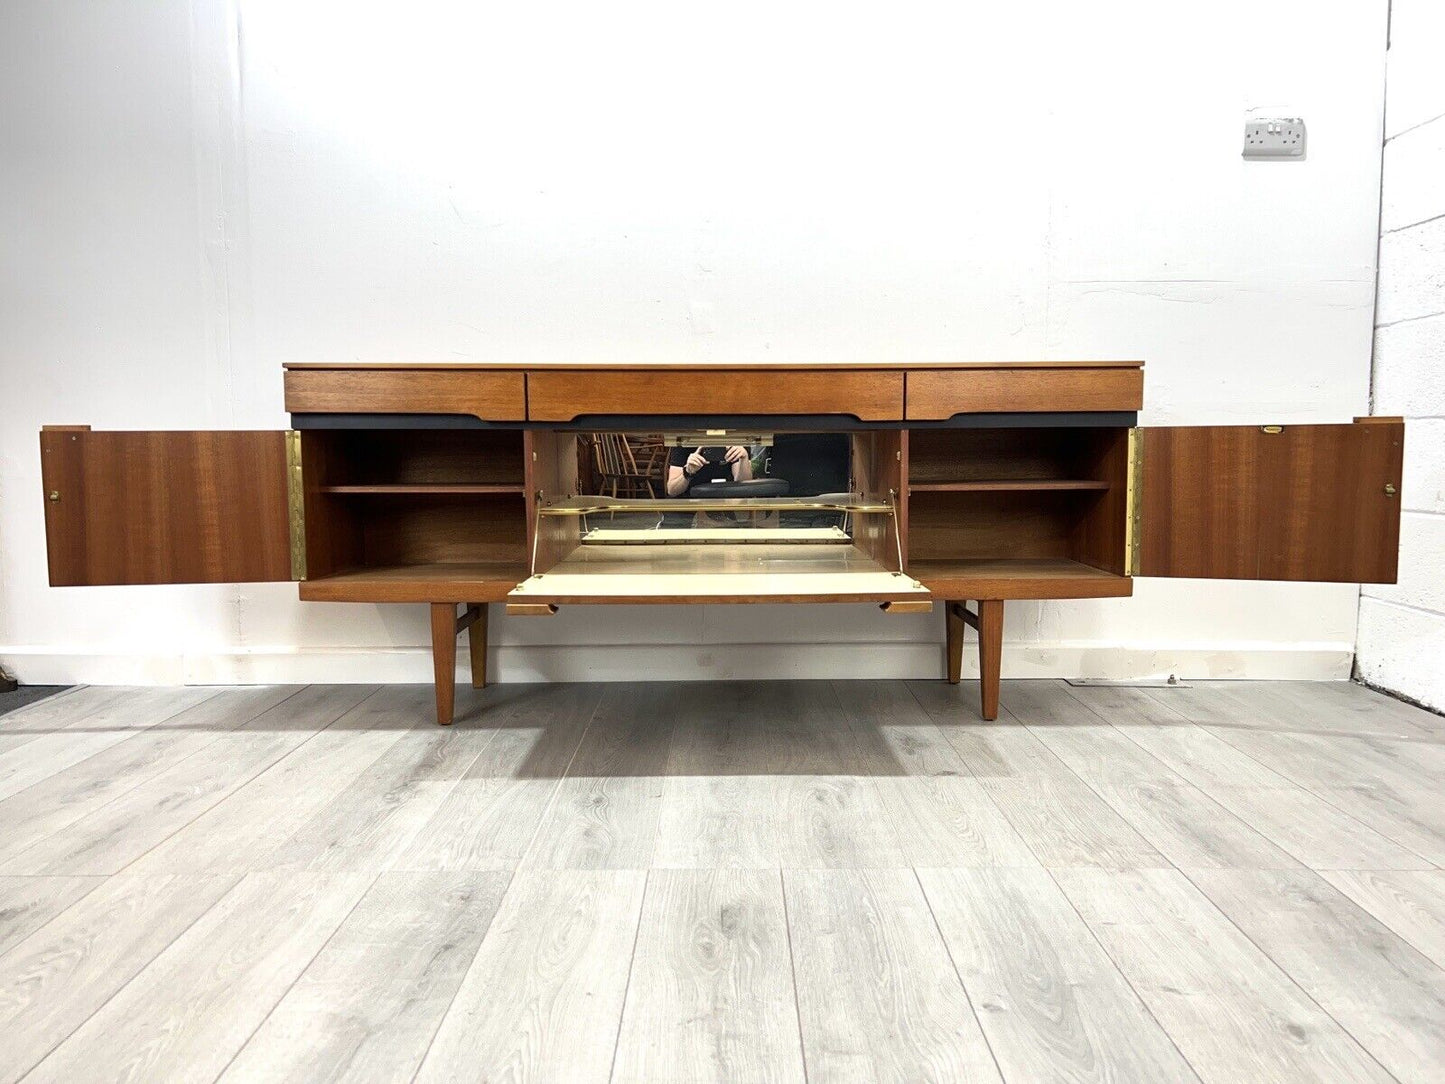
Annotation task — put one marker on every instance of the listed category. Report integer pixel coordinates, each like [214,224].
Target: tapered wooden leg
[477,644]
[954,640]
[990,653]
[444,658]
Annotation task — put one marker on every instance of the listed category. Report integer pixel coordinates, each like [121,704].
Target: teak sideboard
[456,485]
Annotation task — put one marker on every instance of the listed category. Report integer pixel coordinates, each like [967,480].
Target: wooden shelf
[431,488]
[442,581]
[1014,578]
[1009,485]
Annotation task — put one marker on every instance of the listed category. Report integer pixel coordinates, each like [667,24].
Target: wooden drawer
[496,396]
[563,395]
[939,394]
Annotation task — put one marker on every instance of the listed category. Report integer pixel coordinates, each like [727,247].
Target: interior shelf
[424,488]
[434,581]
[1014,578]
[1009,485]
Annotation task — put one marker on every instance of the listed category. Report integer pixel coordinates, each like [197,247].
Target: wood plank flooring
[746,881]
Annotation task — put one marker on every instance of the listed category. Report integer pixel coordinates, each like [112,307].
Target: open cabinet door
[1293,502]
[166,507]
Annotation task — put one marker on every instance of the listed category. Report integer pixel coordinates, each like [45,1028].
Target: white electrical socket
[1283,138]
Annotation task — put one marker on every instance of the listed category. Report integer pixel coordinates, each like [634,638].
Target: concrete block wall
[1401,644]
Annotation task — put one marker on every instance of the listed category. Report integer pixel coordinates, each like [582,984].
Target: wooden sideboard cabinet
[457,486]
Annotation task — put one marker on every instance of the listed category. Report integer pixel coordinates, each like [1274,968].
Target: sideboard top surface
[900,366]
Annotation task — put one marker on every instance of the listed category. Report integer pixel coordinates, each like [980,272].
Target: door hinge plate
[1133,507]
[295,504]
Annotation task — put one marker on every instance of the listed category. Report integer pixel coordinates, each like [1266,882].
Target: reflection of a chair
[651,458]
[623,471]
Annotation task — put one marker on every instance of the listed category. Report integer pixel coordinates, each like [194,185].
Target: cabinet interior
[431,501]
[1045,499]
[805,520]
[1022,504]
[418,460]
[680,536]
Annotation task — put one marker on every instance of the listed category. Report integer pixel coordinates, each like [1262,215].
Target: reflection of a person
[703,465]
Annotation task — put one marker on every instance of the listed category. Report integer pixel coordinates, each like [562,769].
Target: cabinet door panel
[165,507]
[1200,494]
[1330,516]
[1306,502]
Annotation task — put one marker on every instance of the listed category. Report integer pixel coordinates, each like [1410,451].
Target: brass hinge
[1133,509]
[295,504]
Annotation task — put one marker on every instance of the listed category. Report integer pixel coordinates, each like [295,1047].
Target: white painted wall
[1402,627]
[185,205]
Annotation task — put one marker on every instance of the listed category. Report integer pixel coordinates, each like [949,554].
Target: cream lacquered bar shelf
[687,572]
[616,536]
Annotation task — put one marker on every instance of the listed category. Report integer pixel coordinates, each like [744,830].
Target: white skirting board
[1170,682]
[652,662]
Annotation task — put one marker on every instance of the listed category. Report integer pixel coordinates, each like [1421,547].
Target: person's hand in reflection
[742,463]
[710,464]
[682,470]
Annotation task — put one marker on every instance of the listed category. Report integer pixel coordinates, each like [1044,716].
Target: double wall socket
[1282,138]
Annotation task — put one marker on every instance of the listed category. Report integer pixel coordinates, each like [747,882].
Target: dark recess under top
[766,422]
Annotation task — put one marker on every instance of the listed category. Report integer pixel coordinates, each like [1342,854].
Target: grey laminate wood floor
[728,882]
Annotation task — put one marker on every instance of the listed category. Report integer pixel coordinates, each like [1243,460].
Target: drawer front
[939,394]
[564,395]
[490,396]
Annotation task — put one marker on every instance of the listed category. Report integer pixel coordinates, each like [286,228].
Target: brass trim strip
[712,536]
[295,504]
[1133,510]
[584,506]
[695,438]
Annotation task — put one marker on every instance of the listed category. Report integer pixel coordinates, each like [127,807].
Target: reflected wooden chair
[650,455]
[619,469]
